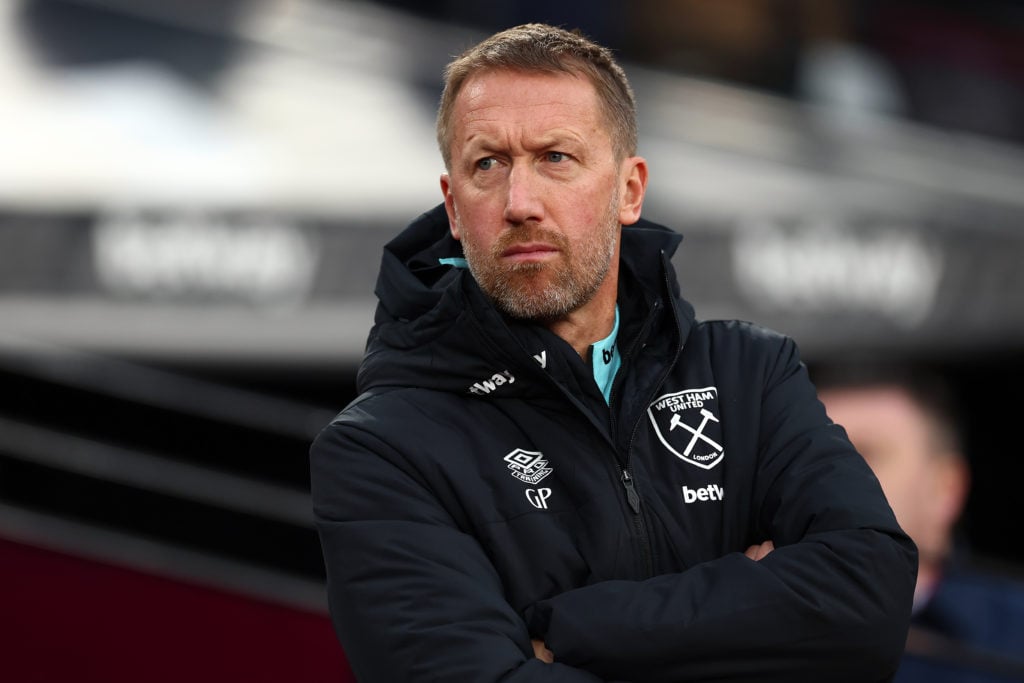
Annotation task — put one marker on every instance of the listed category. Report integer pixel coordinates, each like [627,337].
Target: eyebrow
[487,143]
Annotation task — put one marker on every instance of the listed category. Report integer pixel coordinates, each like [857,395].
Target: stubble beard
[550,290]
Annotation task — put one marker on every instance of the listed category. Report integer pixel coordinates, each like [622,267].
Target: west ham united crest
[687,424]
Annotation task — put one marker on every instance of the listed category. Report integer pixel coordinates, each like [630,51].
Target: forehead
[528,100]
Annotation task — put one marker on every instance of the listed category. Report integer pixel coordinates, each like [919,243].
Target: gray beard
[519,290]
[516,292]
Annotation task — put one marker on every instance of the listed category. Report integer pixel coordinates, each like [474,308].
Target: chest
[558,502]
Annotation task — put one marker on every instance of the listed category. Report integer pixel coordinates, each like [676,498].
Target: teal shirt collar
[605,359]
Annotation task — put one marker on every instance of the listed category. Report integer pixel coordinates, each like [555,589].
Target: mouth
[526,252]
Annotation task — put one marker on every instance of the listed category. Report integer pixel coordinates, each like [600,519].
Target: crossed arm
[754,552]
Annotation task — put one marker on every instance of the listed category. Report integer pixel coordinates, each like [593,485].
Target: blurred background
[193,198]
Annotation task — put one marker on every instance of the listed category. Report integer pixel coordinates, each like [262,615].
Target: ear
[449,205]
[634,185]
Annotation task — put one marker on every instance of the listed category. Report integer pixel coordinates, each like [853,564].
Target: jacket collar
[435,327]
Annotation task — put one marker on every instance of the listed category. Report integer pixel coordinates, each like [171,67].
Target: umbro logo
[528,466]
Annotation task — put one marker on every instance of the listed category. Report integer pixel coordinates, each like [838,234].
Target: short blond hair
[540,48]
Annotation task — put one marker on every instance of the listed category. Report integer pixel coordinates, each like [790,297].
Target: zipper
[631,494]
[629,354]
[639,526]
[628,483]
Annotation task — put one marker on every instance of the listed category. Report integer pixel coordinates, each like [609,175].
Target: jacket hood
[434,328]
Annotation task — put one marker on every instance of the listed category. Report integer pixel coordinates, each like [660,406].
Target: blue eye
[556,157]
[486,164]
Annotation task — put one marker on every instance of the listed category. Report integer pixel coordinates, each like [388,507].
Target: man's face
[535,193]
[925,487]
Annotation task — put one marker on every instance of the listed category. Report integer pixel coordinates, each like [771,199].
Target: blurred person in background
[968,622]
[554,471]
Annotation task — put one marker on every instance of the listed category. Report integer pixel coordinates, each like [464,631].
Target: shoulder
[372,423]
[757,368]
[748,345]
[382,410]
[739,332]
[383,436]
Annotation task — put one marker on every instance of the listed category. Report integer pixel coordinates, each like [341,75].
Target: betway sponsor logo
[704,493]
[486,386]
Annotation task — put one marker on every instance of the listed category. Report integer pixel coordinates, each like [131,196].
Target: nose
[524,202]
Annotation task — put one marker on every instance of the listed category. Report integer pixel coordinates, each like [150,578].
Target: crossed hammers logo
[698,433]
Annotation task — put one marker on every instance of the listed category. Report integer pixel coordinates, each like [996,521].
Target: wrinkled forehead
[536,100]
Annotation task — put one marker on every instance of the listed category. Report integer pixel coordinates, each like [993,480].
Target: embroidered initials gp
[538,497]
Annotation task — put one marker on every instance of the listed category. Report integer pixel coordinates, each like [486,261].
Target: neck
[592,322]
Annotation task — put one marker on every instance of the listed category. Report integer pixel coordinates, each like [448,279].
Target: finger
[760,551]
[764,549]
[541,652]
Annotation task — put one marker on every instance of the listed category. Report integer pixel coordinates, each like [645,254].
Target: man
[968,624]
[555,473]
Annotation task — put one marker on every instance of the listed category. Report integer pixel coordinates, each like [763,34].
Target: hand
[759,552]
[541,652]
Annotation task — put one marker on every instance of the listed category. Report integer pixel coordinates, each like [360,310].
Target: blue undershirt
[605,360]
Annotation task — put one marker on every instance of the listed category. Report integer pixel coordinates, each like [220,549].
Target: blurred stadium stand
[192,206]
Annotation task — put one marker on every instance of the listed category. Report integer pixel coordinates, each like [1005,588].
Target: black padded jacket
[481,492]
